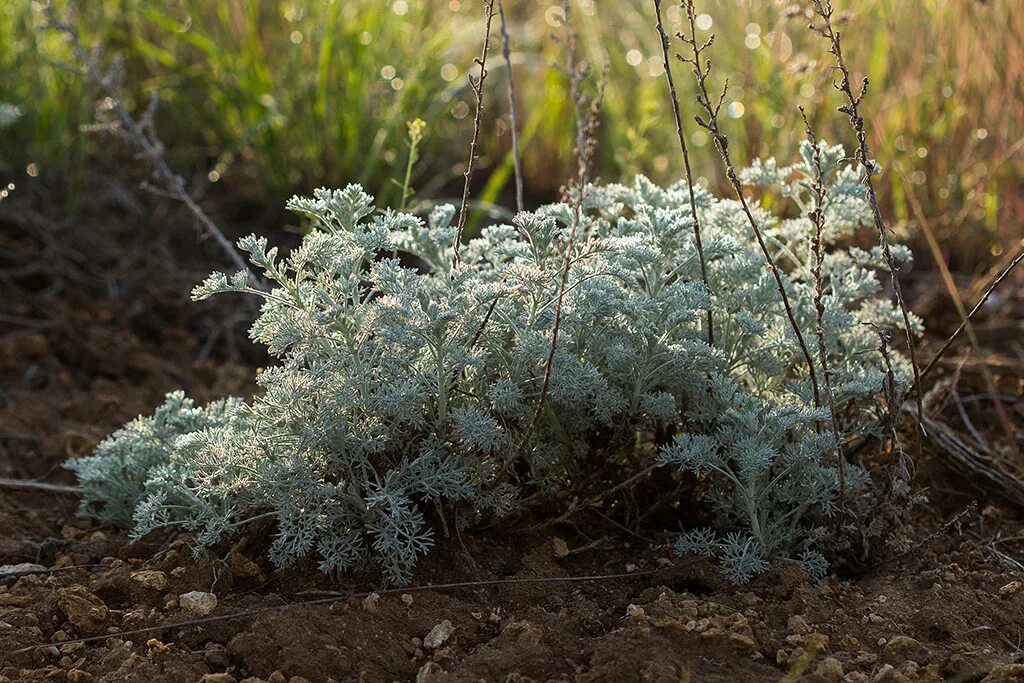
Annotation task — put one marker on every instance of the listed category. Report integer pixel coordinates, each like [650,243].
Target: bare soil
[95,327]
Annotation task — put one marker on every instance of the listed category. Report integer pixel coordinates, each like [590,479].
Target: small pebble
[371,603]
[636,613]
[154,580]
[439,635]
[80,676]
[218,678]
[197,603]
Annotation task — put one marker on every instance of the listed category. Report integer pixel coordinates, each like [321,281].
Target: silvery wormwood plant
[407,390]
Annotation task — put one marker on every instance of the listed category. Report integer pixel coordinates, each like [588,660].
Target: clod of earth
[83,609]
[152,579]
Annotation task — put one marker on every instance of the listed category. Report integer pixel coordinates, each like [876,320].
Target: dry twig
[991,287]
[954,295]
[946,526]
[818,218]
[38,486]
[701,71]
[686,163]
[587,120]
[333,597]
[892,401]
[507,55]
[851,108]
[998,478]
[142,134]
[577,506]
[477,86]
[517,161]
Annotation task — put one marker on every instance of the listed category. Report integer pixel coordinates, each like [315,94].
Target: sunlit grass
[302,93]
[946,101]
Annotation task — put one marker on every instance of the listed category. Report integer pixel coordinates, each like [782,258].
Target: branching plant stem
[517,161]
[477,86]
[701,71]
[587,120]
[824,10]
[686,163]
[818,217]
[142,134]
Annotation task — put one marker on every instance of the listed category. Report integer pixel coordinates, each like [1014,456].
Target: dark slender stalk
[477,86]
[517,161]
[1017,258]
[483,323]
[577,506]
[958,304]
[953,521]
[586,144]
[851,108]
[818,217]
[686,163]
[701,71]
[892,400]
[520,205]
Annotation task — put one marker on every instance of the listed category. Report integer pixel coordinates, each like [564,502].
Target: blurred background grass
[273,97]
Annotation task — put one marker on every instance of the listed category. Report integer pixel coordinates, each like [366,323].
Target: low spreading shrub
[409,392]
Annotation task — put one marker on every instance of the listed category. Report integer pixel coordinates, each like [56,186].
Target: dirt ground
[95,327]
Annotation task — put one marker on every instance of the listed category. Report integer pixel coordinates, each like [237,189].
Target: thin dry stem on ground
[335,597]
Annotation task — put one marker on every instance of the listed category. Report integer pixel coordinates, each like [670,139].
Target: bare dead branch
[477,86]
[954,521]
[818,218]
[142,134]
[596,499]
[991,287]
[686,162]
[334,597]
[38,486]
[701,71]
[587,122]
[824,10]
[954,295]
[892,402]
[517,161]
